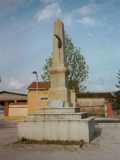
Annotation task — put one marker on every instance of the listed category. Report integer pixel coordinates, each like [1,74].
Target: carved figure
[59,41]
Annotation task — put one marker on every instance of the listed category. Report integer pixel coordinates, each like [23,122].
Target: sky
[26,39]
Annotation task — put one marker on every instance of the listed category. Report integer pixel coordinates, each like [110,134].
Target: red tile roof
[41,85]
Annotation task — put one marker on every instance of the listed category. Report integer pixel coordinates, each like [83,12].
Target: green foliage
[75,63]
[46,75]
[23,139]
[116,101]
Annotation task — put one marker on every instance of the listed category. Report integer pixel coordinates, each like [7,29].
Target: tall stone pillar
[59,73]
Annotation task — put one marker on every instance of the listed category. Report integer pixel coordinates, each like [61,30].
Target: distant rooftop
[95,95]
[5,95]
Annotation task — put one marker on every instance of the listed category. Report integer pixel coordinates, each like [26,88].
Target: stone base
[62,130]
[63,124]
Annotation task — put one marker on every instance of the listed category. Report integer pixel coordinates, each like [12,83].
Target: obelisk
[59,73]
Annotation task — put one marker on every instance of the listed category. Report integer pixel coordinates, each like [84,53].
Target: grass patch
[31,141]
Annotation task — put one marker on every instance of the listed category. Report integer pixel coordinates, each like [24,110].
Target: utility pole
[34,72]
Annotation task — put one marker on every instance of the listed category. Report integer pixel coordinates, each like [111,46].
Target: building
[95,104]
[17,106]
[93,99]
[14,105]
[38,96]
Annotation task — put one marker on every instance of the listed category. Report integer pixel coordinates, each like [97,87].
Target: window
[43,98]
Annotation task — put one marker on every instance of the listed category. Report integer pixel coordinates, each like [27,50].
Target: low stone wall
[116,113]
[94,110]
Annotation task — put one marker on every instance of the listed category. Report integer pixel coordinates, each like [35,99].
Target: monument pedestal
[58,124]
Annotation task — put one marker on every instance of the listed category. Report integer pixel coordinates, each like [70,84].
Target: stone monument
[58,121]
[59,73]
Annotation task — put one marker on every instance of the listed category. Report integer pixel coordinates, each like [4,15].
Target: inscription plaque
[56,103]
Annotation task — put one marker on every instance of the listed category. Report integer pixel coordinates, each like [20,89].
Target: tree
[116,102]
[75,63]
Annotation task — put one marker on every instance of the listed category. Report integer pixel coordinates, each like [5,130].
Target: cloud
[87,21]
[15,84]
[10,6]
[88,9]
[49,1]
[48,12]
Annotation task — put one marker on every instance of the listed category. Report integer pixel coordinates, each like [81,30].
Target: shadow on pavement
[97,133]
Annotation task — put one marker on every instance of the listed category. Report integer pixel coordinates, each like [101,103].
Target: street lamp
[34,72]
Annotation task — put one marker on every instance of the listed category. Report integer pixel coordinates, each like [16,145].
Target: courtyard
[105,145]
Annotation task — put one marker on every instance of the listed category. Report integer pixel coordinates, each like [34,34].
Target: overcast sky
[26,39]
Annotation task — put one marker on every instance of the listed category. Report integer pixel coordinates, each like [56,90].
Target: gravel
[105,145]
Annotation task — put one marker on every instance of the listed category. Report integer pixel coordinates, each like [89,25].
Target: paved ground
[104,146]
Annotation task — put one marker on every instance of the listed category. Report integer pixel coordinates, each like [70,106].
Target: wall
[94,110]
[32,101]
[95,106]
[35,101]
[91,101]
[17,111]
[42,102]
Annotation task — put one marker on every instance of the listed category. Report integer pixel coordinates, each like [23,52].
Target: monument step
[69,116]
[58,110]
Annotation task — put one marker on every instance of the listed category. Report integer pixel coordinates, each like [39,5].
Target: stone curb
[107,121]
